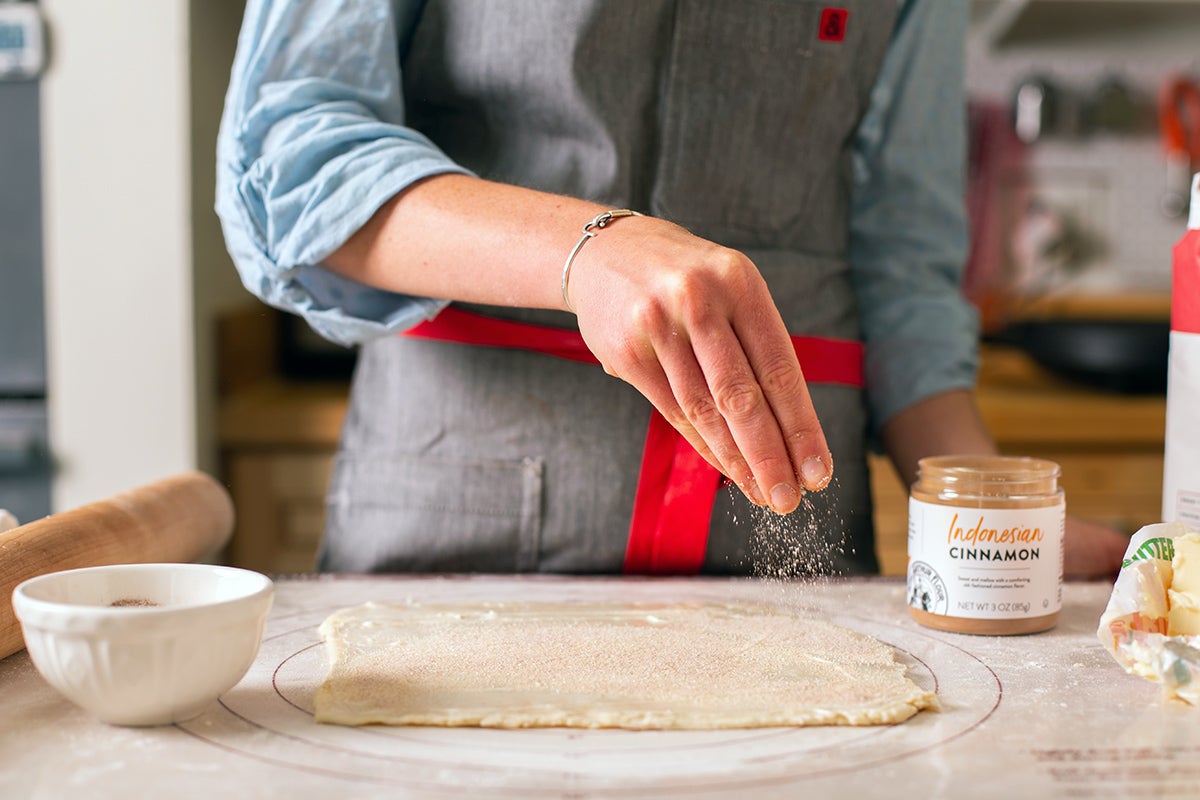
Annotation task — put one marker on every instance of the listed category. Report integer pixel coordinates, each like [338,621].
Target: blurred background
[129,350]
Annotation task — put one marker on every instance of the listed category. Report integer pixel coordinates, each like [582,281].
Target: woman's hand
[1091,549]
[692,326]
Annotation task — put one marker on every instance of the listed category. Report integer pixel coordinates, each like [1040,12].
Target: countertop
[1048,715]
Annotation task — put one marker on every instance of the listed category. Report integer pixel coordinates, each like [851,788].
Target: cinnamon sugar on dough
[639,666]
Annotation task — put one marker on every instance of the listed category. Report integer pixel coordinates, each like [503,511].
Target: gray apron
[733,119]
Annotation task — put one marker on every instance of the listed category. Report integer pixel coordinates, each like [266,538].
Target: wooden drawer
[280,502]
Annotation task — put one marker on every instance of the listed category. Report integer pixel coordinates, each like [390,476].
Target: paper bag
[1181,469]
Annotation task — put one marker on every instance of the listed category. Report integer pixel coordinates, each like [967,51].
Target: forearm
[689,323]
[944,424]
[464,238]
[908,227]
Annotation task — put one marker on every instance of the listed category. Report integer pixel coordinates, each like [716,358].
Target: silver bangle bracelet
[590,230]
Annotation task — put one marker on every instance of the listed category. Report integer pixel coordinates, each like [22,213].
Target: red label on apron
[833,24]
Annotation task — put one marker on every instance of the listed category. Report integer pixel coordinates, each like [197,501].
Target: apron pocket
[409,514]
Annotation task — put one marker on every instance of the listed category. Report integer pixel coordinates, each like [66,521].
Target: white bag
[1181,468]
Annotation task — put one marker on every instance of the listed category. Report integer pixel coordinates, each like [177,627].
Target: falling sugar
[794,552]
[808,543]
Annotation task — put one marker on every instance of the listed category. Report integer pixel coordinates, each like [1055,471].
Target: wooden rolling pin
[177,519]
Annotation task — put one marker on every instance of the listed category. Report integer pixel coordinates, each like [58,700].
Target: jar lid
[1006,476]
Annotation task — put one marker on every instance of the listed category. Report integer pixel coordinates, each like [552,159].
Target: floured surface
[606,665]
[1031,717]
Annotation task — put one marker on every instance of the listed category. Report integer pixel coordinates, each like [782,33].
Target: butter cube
[1184,594]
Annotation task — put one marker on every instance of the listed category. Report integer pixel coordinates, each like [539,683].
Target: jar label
[985,563]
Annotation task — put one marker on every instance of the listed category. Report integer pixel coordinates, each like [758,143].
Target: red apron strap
[676,487]
[465,327]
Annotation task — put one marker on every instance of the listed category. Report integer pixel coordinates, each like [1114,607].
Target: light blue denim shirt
[313,142]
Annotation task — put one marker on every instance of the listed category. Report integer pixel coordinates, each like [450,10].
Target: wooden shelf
[274,413]
[1025,405]
[1005,23]
[1155,306]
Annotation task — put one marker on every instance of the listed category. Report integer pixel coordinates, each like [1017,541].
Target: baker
[600,256]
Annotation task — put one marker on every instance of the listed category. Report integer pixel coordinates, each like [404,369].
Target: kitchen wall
[1108,183]
[135,268]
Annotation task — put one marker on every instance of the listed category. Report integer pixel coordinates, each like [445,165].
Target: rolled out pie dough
[641,666]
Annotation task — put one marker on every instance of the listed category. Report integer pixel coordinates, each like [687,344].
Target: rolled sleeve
[312,142]
[908,228]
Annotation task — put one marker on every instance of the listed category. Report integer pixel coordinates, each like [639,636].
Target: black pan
[1127,356]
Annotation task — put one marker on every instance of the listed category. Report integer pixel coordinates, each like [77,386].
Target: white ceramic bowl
[179,636]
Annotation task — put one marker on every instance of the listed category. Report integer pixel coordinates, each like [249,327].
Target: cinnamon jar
[985,544]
